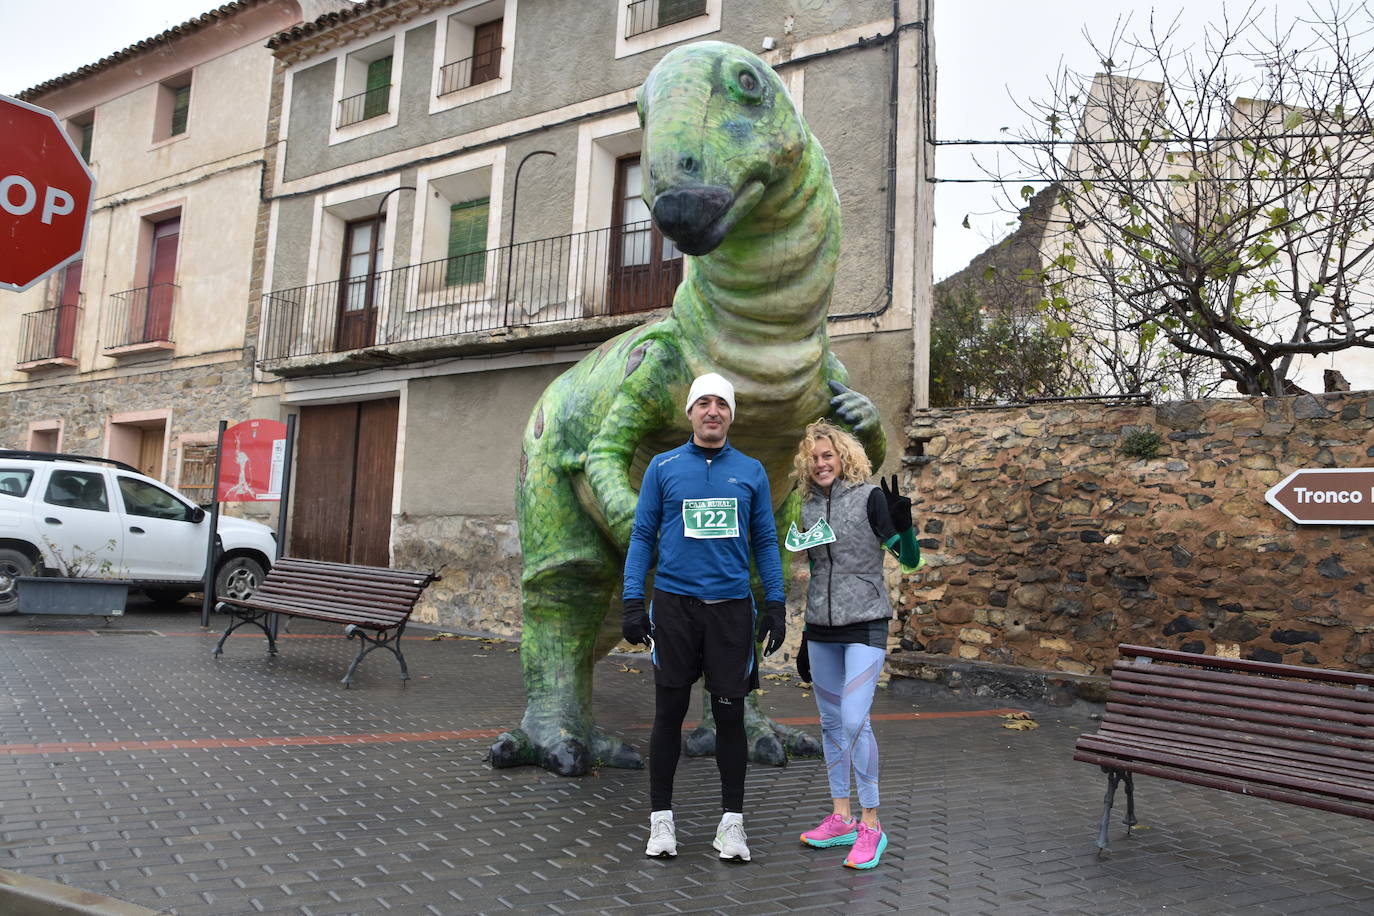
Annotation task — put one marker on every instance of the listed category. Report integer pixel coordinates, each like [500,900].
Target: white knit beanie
[711,383]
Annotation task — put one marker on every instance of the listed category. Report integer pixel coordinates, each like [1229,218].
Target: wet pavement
[136,767]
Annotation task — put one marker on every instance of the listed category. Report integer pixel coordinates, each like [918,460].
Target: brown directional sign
[1326,496]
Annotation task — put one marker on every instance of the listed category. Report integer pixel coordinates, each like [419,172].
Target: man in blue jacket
[705,507]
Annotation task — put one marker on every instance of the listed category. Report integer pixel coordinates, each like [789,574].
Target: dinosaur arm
[856,412]
[642,405]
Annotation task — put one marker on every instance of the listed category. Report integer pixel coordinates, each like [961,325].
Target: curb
[923,674]
[22,895]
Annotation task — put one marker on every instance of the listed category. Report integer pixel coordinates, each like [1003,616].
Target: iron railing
[138,316]
[549,280]
[647,15]
[364,105]
[470,71]
[48,334]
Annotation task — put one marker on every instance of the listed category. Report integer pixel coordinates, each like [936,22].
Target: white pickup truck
[77,515]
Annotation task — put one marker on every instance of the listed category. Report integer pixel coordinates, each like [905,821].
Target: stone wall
[1047,546]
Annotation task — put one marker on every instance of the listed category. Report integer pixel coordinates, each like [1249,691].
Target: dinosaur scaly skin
[735,178]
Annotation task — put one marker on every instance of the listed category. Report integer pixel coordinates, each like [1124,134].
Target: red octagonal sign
[45,195]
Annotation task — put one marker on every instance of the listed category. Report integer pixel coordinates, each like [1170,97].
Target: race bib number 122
[710,518]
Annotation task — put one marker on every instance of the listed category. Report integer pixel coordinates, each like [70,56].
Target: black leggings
[665,745]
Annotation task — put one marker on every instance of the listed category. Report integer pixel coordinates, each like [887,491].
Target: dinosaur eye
[747,87]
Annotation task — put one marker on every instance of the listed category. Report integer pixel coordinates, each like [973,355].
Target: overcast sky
[990,54]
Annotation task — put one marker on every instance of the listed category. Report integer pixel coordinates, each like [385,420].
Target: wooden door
[357,316]
[150,447]
[162,273]
[346,457]
[645,266]
[486,52]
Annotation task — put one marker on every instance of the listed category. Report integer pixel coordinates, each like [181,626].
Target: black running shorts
[692,637]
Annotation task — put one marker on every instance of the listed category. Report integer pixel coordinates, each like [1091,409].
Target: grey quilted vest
[847,574]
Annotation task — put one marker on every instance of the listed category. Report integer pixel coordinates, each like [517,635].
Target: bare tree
[1215,223]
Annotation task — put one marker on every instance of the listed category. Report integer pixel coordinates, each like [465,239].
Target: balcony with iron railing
[370,104]
[47,338]
[470,71]
[647,15]
[570,288]
[139,320]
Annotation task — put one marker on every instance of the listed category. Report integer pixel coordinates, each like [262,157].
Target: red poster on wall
[252,458]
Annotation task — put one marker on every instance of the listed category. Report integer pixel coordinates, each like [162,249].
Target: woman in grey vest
[847,523]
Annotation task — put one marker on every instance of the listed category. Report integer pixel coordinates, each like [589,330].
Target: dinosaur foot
[564,757]
[770,745]
[610,751]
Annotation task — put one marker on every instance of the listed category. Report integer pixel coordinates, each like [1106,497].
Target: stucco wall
[1046,546]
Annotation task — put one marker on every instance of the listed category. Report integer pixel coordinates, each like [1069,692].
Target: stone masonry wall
[1046,546]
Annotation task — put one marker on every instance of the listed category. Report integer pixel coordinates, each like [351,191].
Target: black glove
[804,660]
[773,626]
[898,506]
[635,624]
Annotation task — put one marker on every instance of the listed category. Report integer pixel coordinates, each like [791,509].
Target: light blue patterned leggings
[843,676]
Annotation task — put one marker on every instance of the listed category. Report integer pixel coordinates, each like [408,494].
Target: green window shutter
[181,107]
[467,242]
[378,87]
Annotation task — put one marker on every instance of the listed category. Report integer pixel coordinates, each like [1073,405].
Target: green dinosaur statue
[735,178]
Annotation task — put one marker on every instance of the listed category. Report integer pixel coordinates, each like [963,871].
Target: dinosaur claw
[768,750]
[568,757]
[701,742]
[511,749]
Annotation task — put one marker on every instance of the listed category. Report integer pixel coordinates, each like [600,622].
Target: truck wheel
[238,577]
[13,564]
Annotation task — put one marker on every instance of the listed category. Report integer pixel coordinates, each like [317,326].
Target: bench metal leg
[389,640]
[1115,776]
[257,621]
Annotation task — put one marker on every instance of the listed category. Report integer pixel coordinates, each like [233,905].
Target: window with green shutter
[181,107]
[378,87]
[467,242]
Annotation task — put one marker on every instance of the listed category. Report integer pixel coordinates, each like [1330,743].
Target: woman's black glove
[898,506]
[635,623]
[773,625]
[804,660]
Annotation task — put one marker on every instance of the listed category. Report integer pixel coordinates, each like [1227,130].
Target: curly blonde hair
[854,464]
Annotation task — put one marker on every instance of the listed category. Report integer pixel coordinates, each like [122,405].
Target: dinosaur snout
[691,217]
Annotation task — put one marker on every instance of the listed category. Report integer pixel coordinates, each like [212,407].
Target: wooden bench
[372,602]
[1283,732]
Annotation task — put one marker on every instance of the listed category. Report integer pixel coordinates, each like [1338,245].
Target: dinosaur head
[719,128]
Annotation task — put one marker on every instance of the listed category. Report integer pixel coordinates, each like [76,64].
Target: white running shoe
[730,840]
[662,835]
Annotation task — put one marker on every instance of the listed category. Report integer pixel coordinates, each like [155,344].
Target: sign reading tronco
[1326,496]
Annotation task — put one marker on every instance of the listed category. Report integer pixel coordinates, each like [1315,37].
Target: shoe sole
[877,854]
[724,858]
[847,839]
[661,855]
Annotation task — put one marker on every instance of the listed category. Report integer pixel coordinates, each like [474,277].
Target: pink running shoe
[833,831]
[868,848]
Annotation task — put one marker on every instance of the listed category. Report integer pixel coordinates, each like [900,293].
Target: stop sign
[45,195]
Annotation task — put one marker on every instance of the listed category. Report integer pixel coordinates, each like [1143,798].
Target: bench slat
[1201,729]
[1243,712]
[1222,684]
[1230,785]
[1242,664]
[1244,772]
[1259,757]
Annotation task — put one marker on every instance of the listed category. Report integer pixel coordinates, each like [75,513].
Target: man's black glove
[804,660]
[635,623]
[773,626]
[898,506]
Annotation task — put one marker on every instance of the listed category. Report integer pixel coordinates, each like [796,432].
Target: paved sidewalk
[134,765]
